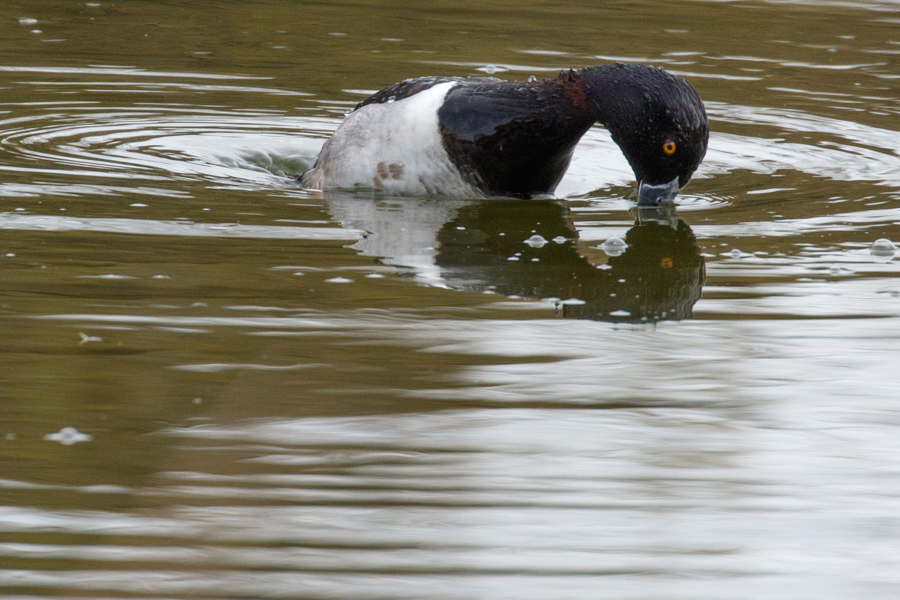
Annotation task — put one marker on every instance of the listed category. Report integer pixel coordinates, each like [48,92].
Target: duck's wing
[514,138]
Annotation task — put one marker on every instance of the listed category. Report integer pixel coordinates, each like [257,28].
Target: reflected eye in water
[660,275]
[528,249]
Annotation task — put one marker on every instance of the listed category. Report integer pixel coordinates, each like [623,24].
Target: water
[217,384]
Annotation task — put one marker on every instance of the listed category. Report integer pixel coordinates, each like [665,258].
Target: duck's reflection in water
[529,249]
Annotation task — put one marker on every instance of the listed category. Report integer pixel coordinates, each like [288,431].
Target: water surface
[217,384]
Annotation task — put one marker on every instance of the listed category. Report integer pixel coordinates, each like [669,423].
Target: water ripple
[158,143]
[25,222]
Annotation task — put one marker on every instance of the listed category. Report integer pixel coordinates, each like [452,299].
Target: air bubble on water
[68,436]
[572,302]
[883,250]
[532,79]
[513,258]
[490,69]
[536,241]
[109,276]
[338,280]
[27,21]
[559,239]
[391,99]
[375,276]
[735,253]
[614,246]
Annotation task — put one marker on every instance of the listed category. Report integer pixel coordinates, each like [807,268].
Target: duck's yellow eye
[669,147]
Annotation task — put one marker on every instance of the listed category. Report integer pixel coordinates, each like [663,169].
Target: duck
[481,137]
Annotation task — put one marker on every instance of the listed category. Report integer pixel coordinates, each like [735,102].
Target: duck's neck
[613,93]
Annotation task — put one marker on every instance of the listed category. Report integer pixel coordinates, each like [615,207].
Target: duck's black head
[658,121]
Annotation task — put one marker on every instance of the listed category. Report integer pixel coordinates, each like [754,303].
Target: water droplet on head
[391,99]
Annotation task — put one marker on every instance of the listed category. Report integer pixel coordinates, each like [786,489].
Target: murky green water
[277,394]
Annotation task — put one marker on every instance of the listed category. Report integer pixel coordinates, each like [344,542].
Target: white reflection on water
[510,503]
[733,364]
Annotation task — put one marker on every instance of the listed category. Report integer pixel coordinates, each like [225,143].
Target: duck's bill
[653,195]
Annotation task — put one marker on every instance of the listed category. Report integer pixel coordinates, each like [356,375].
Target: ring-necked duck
[478,137]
